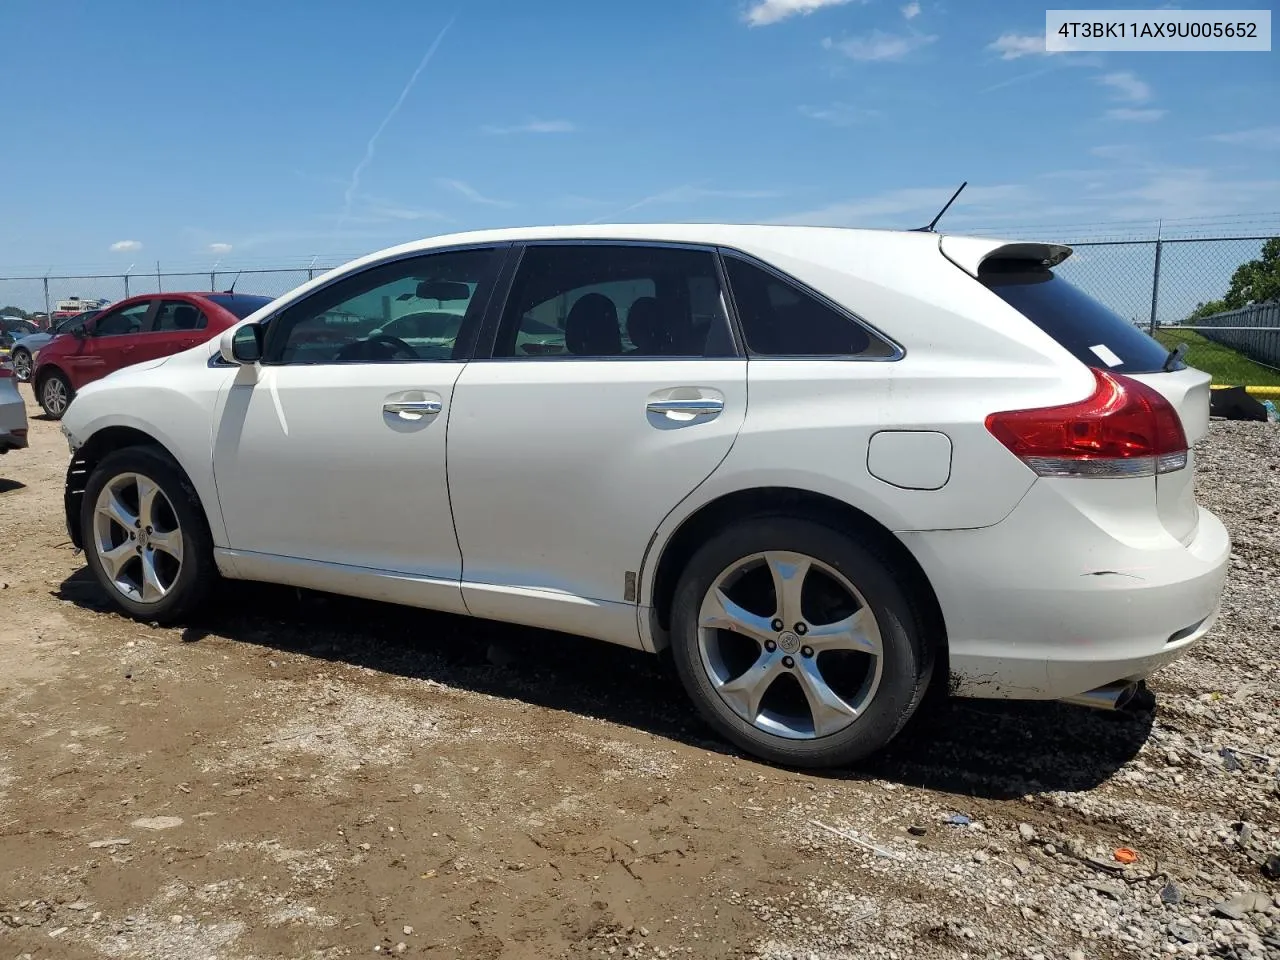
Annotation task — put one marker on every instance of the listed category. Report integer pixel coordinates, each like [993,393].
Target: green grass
[1225,365]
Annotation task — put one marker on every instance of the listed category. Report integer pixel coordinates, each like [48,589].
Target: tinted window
[412,309]
[602,300]
[1092,334]
[75,323]
[781,320]
[239,304]
[176,316]
[122,322]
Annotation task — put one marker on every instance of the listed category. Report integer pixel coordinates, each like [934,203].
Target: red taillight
[1125,429]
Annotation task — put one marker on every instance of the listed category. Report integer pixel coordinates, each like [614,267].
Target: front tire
[22,365]
[145,535]
[797,643]
[55,393]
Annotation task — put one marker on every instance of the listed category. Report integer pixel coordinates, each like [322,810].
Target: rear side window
[781,320]
[1090,332]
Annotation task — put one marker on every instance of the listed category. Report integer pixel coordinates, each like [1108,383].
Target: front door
[111,340]
[333,449]
[614,389]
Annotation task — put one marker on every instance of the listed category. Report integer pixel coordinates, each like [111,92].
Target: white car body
[13,411]
[558,498]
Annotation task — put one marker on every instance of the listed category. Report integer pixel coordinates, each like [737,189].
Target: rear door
[568,449]
[1102,339]
[178,325]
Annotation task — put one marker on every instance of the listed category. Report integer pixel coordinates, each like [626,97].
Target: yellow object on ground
[1266,392]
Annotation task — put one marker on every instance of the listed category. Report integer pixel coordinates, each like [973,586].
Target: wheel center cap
[788,641]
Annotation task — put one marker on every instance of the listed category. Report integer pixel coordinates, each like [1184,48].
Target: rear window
[1093,334]
[239,304]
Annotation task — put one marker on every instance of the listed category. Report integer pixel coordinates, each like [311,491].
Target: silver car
[26,349]
[13,411]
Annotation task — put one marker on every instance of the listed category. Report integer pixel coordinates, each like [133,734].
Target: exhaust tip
[1112,696]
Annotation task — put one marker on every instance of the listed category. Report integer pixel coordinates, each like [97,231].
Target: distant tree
[1207,310]
[14,312]
[1257,281]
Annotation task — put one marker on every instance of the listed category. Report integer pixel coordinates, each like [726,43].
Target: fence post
[48,314]
[1155,285]
[213,280]
[126,286]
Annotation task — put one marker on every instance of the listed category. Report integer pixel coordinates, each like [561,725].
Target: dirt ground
[312,777]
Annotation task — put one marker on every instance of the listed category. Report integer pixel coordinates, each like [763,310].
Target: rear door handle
[683,409]
[412,409]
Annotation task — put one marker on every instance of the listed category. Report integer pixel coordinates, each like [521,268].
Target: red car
[140,328]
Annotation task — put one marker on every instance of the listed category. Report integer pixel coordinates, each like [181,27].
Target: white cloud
[470,192]
[126,246]
[219,248]
[1131,115]
[837,114]
[765,12]
[690,193]
[1265,138]
[1011,46]
[1127,86]
[911,10]
[878,45]
[533,126]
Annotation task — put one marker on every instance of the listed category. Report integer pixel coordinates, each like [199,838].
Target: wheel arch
[89,454]
[730,508]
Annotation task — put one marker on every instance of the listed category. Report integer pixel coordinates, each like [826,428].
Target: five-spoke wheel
[798,643]
[145,535]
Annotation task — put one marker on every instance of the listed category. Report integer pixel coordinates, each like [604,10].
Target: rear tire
[55,394]
[145,536]
[819,660]
[22,365]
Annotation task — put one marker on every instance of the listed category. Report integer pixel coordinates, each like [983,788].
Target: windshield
[239,304]
[79,320]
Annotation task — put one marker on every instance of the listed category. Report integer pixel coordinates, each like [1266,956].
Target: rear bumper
[1051,602]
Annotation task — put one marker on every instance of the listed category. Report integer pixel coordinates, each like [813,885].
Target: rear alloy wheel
[145,535]
[54,394]
[22,365]
[797,644]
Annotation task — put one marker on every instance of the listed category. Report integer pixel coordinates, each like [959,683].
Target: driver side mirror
[79,332]
[242,345]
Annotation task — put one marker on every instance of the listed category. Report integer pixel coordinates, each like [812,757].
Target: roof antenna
[934,222]
[232,288]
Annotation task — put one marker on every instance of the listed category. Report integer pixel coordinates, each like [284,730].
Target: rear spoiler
[969,253]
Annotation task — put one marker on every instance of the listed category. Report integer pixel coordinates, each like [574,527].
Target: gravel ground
[302,776]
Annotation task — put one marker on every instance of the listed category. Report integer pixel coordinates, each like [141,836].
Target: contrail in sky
[354,185]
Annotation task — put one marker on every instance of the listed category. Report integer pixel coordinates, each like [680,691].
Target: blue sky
[268,131]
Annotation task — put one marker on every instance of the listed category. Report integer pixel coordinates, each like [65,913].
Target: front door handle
[683,409]
[412,409]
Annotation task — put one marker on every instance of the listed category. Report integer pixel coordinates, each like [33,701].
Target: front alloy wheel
[145,535]
[137,537]
[55,395]
[22,366]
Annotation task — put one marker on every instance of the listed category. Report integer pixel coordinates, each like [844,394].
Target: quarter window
[781,320]
[122,322]
[614,300]
[420,308]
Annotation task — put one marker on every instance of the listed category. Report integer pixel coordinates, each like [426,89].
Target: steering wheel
[359,350]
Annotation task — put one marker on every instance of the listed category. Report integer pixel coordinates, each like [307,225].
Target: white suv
[824,467]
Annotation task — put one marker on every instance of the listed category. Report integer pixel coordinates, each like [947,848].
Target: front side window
[123,322]
[614,300]
[178,316]
[779,319]
[419,308]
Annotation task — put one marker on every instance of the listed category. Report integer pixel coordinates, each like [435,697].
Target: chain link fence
[1159,284]
[42,294]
